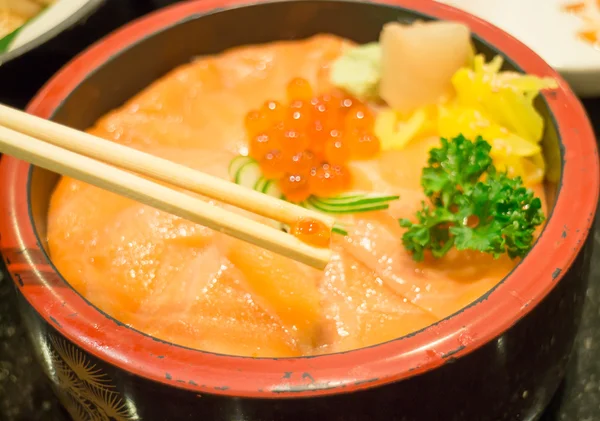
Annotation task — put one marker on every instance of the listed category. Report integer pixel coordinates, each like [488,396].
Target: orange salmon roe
[306,143]
[311,231]
[295,187]
[299,88]
[326,178]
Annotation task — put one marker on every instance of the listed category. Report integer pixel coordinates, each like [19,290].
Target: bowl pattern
[82,387]
[500,358]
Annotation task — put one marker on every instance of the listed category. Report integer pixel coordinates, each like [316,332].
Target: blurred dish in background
[589,12]
[14,14]
[563,32]
[26,24]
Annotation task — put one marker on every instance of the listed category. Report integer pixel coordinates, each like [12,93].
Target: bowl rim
[199,371]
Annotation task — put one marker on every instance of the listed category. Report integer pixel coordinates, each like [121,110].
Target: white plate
[547,29]
[55,19]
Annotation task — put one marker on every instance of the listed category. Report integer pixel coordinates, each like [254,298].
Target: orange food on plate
[186,284]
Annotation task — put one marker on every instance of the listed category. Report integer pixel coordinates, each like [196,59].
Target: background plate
[52,21]
[550,31]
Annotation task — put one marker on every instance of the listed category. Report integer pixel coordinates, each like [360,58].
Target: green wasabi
[358,71]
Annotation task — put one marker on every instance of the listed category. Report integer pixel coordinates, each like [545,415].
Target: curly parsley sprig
[472,205]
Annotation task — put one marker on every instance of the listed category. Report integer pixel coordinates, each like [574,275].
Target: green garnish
[245,171]
[358,71]
[349,203]
[473,206]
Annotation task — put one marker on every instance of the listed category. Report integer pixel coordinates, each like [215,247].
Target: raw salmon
[186,284]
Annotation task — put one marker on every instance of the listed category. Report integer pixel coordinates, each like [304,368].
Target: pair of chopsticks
[102,163]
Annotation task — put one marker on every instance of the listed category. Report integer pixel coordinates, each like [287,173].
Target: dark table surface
[24,393]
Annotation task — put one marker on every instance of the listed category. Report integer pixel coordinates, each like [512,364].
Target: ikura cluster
[306,143]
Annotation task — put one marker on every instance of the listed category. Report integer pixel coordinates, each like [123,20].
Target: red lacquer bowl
[508,349]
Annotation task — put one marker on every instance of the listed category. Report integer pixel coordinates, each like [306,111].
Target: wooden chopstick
[110,178]
[157,168]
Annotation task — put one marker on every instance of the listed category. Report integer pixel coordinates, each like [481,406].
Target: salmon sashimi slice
[360,310]
[119,260]
[396,172]
[74,223]
[403,168]
[203,104]
[438,286]
[289,288]
[164,276]
[206,303]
